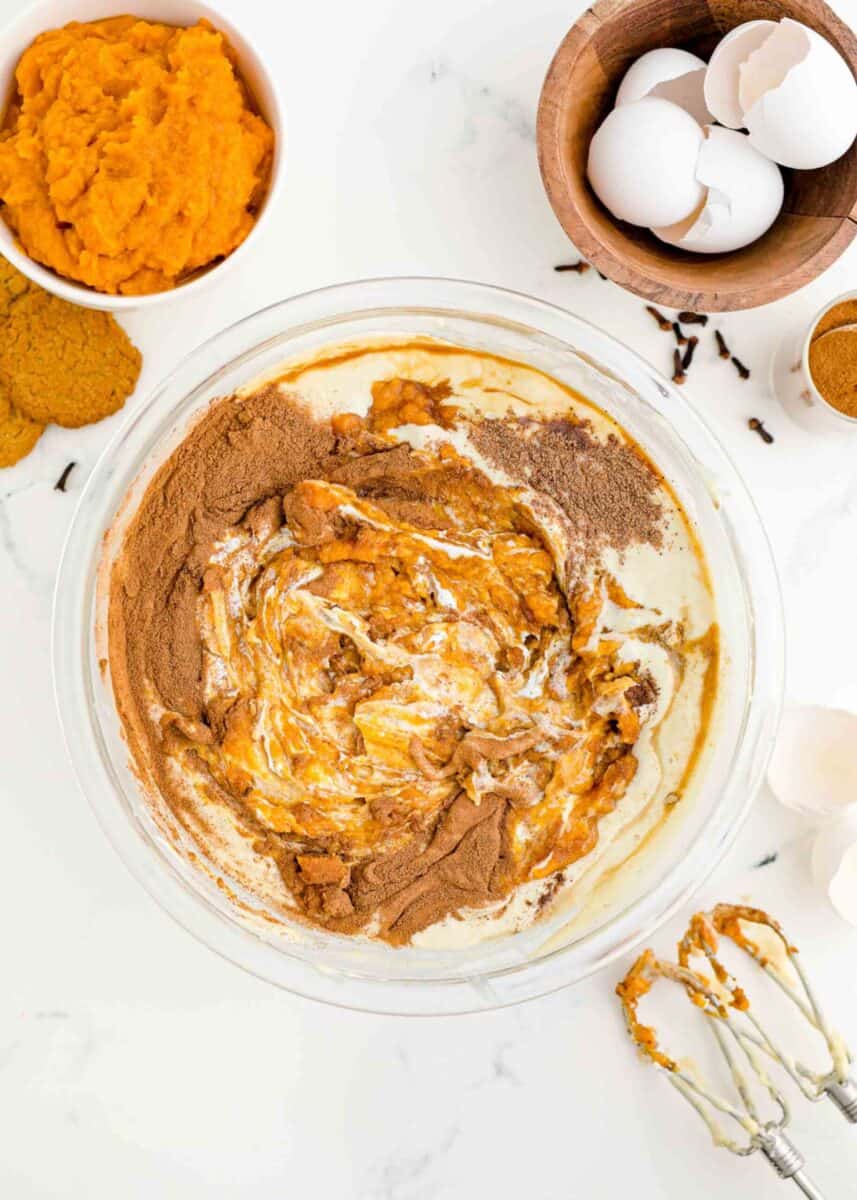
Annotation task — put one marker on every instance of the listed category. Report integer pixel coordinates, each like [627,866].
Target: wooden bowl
[819,216]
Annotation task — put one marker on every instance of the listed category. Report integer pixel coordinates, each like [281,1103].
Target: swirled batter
[410,639]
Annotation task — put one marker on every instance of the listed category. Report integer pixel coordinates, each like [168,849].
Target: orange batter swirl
[369,669]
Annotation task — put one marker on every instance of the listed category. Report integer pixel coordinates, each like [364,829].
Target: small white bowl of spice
[814,370]
[159,136]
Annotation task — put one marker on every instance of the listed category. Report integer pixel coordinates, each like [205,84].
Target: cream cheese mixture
[413,641]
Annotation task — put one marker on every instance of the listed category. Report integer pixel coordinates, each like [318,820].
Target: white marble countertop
[133,1062]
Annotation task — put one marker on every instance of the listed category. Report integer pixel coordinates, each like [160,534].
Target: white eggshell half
[675,75]
[799,98]
[834,863]
[721,78]
[642,162]
[814,765]
[744,196]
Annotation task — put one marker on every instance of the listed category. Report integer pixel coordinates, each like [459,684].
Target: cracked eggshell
[722,76]
[642,162]
[814,765]
[667,74]
[834,863]
[743,198]
[799,98]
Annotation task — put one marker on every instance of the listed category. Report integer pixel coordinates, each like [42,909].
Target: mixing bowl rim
[191,909]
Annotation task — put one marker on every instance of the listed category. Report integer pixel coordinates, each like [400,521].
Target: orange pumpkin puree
[130,155]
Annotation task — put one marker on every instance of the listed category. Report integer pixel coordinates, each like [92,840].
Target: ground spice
[833,357]
[607,489]
[243,452]
[844,313]
[58,364]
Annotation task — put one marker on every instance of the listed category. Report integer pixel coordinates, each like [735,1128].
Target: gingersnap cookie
[61,363]
[18,434]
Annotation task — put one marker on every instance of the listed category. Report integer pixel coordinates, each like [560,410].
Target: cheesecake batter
[411,640]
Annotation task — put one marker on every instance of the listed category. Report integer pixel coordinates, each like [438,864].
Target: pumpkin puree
[130,155]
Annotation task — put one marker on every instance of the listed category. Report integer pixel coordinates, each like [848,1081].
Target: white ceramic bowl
[792,383]
[51,14]
[354,972]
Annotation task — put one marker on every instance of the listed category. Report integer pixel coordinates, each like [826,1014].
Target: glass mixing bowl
[372,976]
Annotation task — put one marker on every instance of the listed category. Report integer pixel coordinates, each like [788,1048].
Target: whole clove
[663,322]
[60,484]
[767,859]
[722,349]
[679,335]
[757,427]
[692,318]
[678,370]
[692,343]
[580,267]
[743,371]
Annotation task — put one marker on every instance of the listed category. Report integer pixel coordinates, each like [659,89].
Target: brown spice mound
[243,451]
[833,365]
[457,864]
[607,489]
[844,313]
[833,357]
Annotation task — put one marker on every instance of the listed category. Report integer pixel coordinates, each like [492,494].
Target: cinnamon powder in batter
[241,452]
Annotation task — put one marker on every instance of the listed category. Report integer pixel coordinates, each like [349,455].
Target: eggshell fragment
[744,196]
[814,765]
[834,863]
[642,162]
[722,77]
[799,98]
[667,74]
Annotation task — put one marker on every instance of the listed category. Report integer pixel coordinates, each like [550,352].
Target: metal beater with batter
[747,1047]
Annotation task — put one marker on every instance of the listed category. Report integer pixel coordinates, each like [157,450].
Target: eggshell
[814,765]
[799,98]
[642,162]
[722,79]
[744,196]
[675,75]
[834,863]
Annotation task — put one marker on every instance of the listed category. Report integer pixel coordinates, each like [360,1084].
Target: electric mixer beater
[743,1041]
